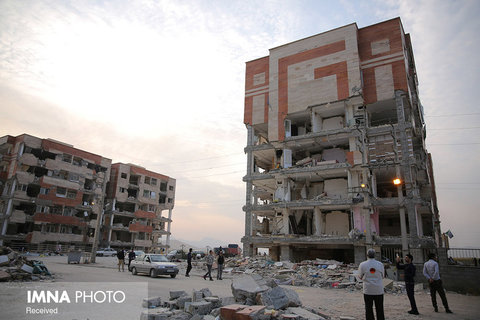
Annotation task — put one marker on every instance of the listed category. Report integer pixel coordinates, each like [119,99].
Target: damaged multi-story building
[53,194]
[333,120]
[136,199]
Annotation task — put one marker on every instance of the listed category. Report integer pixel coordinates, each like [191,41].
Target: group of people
[121,254]
[372,272]
[210,258]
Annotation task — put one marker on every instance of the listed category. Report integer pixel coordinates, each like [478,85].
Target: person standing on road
[220,261]
[189,262]
[409,280]
[432,273]
[131,257]
[209,259]
[372,273]
[121,259]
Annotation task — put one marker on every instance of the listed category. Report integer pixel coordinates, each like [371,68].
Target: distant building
[332,120]
[136,199]
[52,195]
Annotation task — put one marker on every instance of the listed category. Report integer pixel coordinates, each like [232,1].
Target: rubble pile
[254,298]
[16,267]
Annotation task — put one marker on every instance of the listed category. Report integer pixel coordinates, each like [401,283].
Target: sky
[161,84]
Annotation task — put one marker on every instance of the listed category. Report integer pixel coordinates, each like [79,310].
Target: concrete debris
[14,267]
[279,298]
[259,302]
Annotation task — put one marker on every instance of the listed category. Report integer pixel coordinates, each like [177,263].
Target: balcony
[143,243]
[58,219]
[39,237]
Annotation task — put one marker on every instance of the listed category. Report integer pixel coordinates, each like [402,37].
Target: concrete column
[309,224]
[403,223]
[168,228]
[249,187]
[8,212]
[419,222]
[360,254]
[286,221]
[318,221]
[285,253]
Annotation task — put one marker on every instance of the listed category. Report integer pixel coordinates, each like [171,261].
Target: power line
[211,175]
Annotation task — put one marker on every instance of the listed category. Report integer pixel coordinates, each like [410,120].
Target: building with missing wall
[332,120]
[52,195]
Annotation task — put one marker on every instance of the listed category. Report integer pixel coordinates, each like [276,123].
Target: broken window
[73,177]
[61,192]
[42,209]
[163,186]
[123,175]
[77,161]
[170,200]
[154,182]
[147,180]
[44,190]
[170,188]
[162,199]
[21,187]
[121,189]
[52,228]
[88,185]
[68,211]
[132,193]
[134,180]
[56,209]
[146,193]
[151,208]
[67,158]
[71,194]
[33,190]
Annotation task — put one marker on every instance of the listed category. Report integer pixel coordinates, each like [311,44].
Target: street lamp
[397,181]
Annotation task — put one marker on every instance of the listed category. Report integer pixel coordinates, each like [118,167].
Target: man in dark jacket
[220,262]
[121,259]
[189,262]
[409,280]
[131,257]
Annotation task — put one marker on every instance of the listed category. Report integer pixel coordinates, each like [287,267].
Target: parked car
[138,253]
[174,255]
[154,265]
[107,252]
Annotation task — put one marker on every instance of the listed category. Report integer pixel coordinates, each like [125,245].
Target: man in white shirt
[371,272]
[432,273]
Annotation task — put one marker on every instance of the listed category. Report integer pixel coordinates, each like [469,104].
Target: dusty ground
[332,302]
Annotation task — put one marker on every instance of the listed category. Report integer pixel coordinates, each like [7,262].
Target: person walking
[189,262]
[220,261]
[210,258]
[409,280]
[131,257]
[432,273]
[121,259]
[372,272]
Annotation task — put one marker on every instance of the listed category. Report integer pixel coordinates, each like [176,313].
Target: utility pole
[99,222]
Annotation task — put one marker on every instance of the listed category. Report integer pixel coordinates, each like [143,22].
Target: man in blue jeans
[372,273]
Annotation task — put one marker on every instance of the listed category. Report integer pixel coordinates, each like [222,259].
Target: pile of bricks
[14,267]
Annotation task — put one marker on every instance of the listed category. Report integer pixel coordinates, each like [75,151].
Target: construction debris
[254,298]
[14,267]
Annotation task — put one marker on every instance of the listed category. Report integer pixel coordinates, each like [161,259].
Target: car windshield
[158,258]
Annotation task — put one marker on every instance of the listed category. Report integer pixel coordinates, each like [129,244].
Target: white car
[154,265]
[106,252]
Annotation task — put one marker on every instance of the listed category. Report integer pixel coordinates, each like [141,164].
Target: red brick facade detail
[340,70]
[144,214]
[138,227]
[49,145]
[141,171]
[252,68]
[52,196]
[369,86]
[390,30]
[283,64]
[58,219]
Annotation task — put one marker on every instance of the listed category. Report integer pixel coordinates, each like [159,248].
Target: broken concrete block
[180,315]
[4,276]
[247,287]
[249,313]
[182,300]
[227,301]
[197,296]
[151,302]
[208,317]
[387,283]
[280,298]
[215,301]
[156,314]
[4,260]
[27,268]
[201,308]
[206,292]
[304,314]
[177,294]
[228,312]
[289,316]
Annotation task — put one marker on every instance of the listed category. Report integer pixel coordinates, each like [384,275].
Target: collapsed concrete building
[136,198]
[53,194]
[332,120]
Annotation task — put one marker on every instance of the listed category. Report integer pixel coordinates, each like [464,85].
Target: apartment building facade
[332,121]
[136,200]
[53,194]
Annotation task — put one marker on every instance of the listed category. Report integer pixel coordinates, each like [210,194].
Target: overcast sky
[161,84]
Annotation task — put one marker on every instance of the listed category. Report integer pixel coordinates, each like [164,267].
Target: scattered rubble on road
[15,267]
[254,298]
